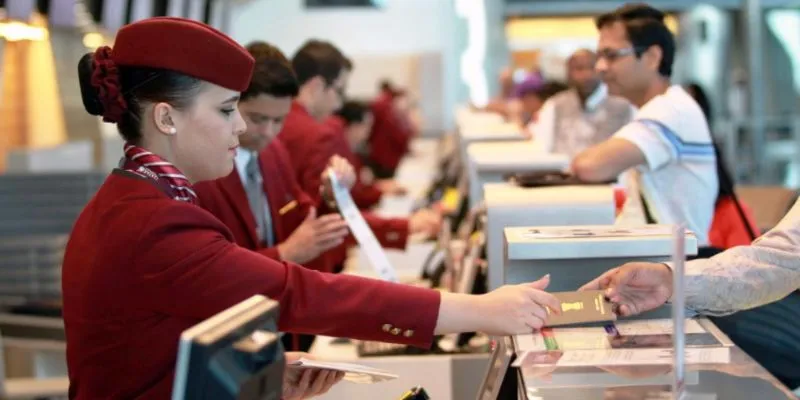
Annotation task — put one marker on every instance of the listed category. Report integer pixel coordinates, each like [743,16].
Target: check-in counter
[486,132]
[466,116]
[574,255]
[508,205]
[488,162]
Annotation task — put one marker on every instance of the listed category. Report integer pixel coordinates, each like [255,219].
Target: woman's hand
[515,309]
[509,310]
[304,383]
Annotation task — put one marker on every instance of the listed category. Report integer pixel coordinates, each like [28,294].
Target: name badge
[288,207]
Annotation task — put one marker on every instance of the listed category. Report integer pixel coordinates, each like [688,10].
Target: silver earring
[172,130]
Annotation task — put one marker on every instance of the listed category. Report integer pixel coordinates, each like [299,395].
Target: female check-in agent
[145,263]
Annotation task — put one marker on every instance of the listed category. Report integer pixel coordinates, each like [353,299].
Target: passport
[581,307]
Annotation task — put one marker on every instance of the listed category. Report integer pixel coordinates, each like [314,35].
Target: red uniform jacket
[140,268]
[311,144]
[289,205]
[390,137]
[365,195]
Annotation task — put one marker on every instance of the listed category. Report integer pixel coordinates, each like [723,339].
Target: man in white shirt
[762,279]
[584,115]
[666,151]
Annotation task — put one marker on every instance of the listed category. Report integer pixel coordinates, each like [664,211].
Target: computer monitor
[470,265]
[236,354]
[492,387]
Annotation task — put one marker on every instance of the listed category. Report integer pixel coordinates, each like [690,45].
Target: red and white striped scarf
[149,165]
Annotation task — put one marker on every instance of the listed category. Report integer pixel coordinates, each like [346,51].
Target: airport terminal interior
[399,199]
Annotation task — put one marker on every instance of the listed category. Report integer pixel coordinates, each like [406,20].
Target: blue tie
[259,205]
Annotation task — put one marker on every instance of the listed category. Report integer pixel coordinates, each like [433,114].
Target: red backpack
[733,224]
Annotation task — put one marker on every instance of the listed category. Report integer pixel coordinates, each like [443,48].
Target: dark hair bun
[89,94]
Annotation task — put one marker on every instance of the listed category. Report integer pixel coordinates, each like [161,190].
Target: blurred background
[744,53]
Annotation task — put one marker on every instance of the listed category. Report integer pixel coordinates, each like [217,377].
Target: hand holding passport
[581,307]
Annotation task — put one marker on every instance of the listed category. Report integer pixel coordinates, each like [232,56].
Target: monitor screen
[498,367]
[236,354]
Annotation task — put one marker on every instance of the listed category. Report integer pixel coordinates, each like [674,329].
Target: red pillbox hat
[186,46]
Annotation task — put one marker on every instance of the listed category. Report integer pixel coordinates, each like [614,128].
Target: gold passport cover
[579,307]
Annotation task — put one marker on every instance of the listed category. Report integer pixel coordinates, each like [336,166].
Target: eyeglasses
[612,55]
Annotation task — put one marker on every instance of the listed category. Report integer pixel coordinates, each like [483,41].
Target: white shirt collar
[596,98]
[243,157]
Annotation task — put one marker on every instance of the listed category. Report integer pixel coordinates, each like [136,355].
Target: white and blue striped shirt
[679,181]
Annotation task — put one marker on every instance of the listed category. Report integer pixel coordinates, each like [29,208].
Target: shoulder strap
[648,217]
[742,215]
[726,185]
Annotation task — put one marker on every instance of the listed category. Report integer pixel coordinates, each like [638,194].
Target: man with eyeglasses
[666,151]
[322,73]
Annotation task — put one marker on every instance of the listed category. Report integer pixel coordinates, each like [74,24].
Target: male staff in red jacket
[354,122]
[391,133]
[322,74]
[260,201]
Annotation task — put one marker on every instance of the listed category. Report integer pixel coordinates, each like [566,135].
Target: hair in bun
[89,95]
[118,93]
[103,91]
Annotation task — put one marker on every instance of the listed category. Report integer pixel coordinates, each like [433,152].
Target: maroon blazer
[365,195]
[391,136]
[140,268]
[289,205]
[311,144]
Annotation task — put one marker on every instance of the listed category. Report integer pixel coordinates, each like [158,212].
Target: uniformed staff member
[354,122]
[322,71]
[144,263]
[260,201]
[391,134]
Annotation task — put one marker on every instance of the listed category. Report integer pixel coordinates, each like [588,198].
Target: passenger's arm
[641,144]
[605,161]
[748,276]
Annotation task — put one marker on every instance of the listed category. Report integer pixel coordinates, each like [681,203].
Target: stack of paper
[620,343]
[353,372]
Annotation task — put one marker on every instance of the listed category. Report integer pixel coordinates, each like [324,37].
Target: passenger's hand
[425,221]
[516,309]
[635,287]
[302,383]
[313,237]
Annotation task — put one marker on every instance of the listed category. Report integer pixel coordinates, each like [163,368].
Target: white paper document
[597,232]
[621,357]
[619,334]
[353,372]
[361,231]
[656,327]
